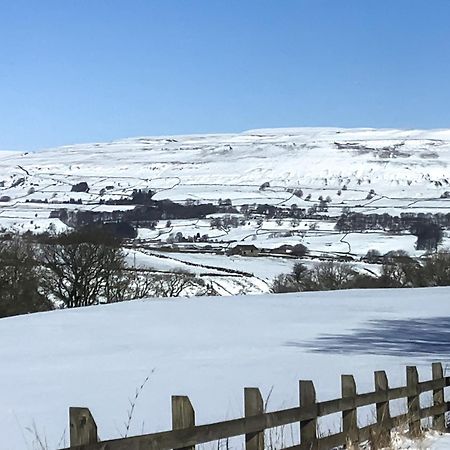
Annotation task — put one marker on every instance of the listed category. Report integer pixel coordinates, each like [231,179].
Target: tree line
[80,268]
[428,228]
[398,270]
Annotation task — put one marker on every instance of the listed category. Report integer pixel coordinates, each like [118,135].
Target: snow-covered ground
[363,170]
[209,349]
[406,171]
[430,441]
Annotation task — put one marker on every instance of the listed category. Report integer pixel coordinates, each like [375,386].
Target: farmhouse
[244,250]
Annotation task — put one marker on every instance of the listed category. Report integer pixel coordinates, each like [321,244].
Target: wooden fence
[185,435]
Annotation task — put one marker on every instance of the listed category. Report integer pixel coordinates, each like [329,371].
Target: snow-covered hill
[392,162]
[380,171]
[209,349]
[395,164]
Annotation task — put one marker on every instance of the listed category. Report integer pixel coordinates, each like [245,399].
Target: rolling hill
[269,188]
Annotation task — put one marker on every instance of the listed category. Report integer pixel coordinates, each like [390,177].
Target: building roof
[246,246]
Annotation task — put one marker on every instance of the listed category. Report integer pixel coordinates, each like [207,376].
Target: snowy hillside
[209,349]
[391,162]
[274,188]
[396,164]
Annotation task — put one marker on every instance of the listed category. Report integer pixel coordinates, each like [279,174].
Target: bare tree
[323,276]
[19,280]
[133,283]
[400,270]
[437,268]
[81,268]
[174,284]
[332,275]
[284,283]
[140,284]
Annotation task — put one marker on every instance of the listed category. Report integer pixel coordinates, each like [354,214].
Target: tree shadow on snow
[388,337]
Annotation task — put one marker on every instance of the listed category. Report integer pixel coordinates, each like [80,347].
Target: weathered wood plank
[412,382]
[382,437]
[253,406]
[189,437]
[166,440]
[324,443]
[434,410]
[349,417]
[335,440]
[425,386]
[183,415]
[83,429]
[308,428]
[206,433]
[438,397]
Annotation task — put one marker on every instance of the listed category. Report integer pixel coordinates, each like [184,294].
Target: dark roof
[246,247]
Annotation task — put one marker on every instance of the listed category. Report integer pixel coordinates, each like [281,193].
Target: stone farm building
[244,250]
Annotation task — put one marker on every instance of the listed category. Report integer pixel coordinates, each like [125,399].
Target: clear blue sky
[93,70]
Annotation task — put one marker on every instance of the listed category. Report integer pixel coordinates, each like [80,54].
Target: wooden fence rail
[185,435]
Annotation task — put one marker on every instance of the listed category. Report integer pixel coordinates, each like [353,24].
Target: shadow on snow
[388,337]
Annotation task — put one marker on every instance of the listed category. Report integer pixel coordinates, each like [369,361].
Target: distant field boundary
[185,435]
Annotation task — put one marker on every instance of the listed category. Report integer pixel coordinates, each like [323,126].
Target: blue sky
[94,70]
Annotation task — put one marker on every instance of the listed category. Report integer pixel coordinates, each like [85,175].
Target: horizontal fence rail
[185,435]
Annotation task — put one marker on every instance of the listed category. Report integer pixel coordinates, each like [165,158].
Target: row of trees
[77,269]
[398,270]
[427,227]
[353,221]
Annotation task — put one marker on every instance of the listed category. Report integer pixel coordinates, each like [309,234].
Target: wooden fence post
[253,406]
[383,438]
[83,429]
[438,398]
[308,428]
[183,415]
[412,380]
[349,417]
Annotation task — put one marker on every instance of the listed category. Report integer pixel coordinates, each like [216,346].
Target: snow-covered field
[382,171]
[209,349]
[394,163]
[407,170]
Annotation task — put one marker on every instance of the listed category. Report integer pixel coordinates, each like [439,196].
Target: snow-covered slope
[362,170]
[209,349]
[395,164]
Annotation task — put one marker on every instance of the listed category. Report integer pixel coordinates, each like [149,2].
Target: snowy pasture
[367,170]
[364,170]
[209,349]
